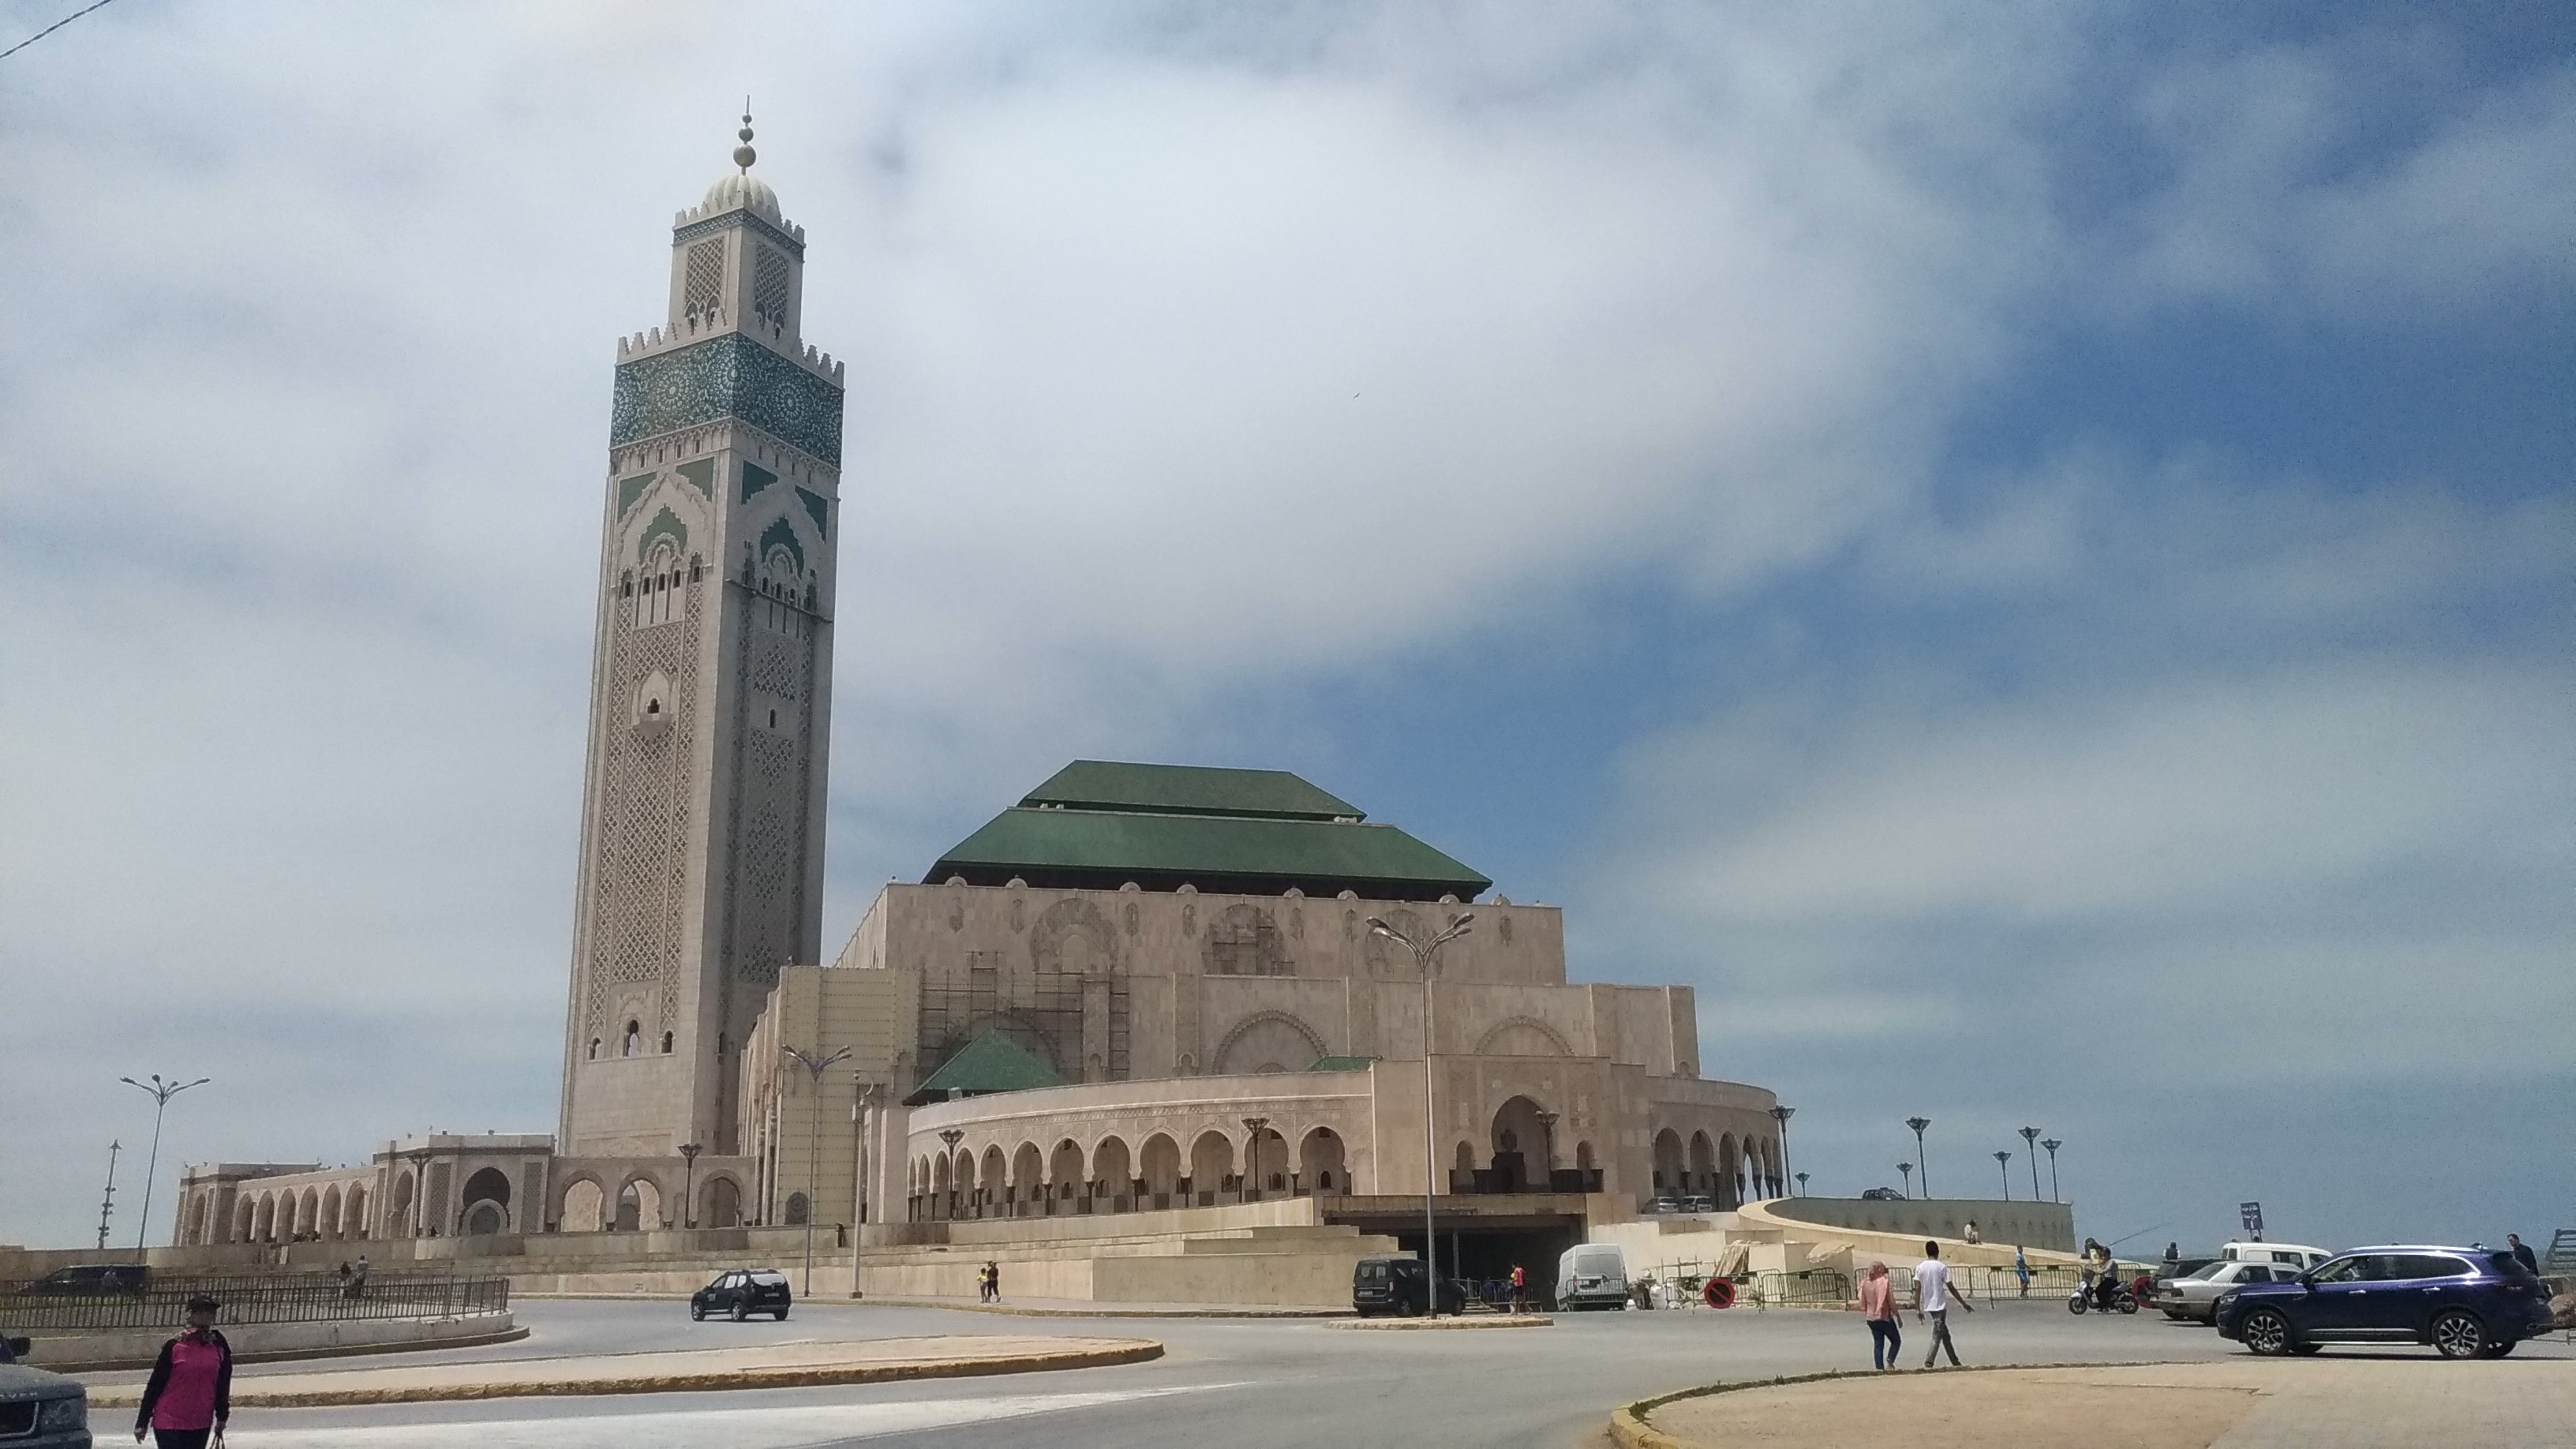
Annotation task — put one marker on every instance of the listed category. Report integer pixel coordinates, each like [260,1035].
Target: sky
[2021,550]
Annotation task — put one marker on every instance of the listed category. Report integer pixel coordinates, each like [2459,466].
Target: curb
[1629,1429]
[246,1393]
[1008,1310]
[1500,1320]
[298,1355]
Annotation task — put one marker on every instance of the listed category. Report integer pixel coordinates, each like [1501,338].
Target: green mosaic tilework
[755,478]
[665,524]
[779,535]
[701,475]
[729,375]
[630,489]
[821,509]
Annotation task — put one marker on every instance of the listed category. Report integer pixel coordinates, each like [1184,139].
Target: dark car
[742,1293]
[2467,1302]
[1882,1194]
[90,1280]
[39,1410]
[1399,1286]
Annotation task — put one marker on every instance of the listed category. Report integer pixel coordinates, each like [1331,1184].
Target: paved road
[1241,1384]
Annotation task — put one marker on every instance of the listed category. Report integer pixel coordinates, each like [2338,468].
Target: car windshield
[768,1280]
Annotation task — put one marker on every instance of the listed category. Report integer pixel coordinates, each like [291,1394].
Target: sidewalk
[1025,1307]
[771,1366]
[2362,1401]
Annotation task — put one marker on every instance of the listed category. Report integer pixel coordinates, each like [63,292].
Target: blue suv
[2467,1302]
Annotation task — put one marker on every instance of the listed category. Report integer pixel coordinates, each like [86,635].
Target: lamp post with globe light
[2052,1144]
[1782,1115]
[1907,1168]
[2003,1162]
[1920,1160]
[2030,1138]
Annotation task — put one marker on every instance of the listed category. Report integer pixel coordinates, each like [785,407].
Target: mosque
[1140,992]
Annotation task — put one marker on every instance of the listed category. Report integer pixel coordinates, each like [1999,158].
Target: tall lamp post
[2052,1144]
[2003,1163]
[1802,1182]
[949,1137]
[1918,1124]
[1252,1154]
[2030,1139]
[689,1183]
[108,1201]
[1547,1140]
[1908,1169]
[814,1067]
[161,1092]
[1423,954]
[1782,1115]
[865,1110]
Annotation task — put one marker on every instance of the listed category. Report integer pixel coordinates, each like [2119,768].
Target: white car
[2298,1257]
[2194,1295]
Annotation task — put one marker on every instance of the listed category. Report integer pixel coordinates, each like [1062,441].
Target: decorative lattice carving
[769,286]
[702,290]
[778,667]
[639,842]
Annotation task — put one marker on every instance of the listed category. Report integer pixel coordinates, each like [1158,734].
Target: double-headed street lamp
[689,1183]
[815,1066]
[949,1137]
[1918,1124]
[2030,1139]
[1252,1151]
[1423,954]
[2003,1162]
[161,1092]
[2052,1144]
[1782,1115]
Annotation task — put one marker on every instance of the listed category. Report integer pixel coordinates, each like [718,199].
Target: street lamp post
[1907,1168]
[1920,1160]
[865,1109]
[815,1067]
[108,1201]
[949,1137]
[2003,1162]
[161,1092]
[2030,1138]
[2052,1144]
[1252,1153]
[1423,954]
[689,1183]
[1547,1144]
[1802,1182]
[1782,1115]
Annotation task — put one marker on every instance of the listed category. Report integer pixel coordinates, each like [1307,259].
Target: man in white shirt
[1932,1302]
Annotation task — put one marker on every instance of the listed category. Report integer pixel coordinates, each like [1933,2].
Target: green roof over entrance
[990,1063]
[1098,826]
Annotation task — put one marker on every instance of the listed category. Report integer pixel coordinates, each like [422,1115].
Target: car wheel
[780,1315]
[697,1313]
[741,1314]
[2460,1335]
[2267,1333]
[2499,1350]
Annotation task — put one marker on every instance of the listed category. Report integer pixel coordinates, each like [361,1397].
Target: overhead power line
[50,29]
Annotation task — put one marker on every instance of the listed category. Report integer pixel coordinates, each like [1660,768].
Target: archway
[400,1220]
[1270,1041]
[308,1212]
[1520,1161]
[1064,1170]
[1668,1161]
[484,1219]
[1703,1166]
[245,1211]
[1113,1174]
[263,1222]
[1320,1163]
[798,1209]
[1028,1174]
[939,1186]
[1730,1167]
[720,1203]
[327,1226]
[585,1207]
[1211,1164]
[1523,1036]
[353,1213]
[489,1185]
[639,1206]
[1161,1163]
[1265,1161]
[995,1177]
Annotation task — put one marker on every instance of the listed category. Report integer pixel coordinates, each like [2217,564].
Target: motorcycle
[2105,1296]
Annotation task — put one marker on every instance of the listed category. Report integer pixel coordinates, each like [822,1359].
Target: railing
[2051,1280]
[1813,1286]
[301,1298]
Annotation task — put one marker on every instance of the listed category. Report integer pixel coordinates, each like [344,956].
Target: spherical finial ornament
[743,155]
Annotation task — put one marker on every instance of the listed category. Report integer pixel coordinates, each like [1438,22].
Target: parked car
[39,1410]
[2299,1256]
[743,1292]
[1882,1194]
[1665,1204]
[1592,1275]
[1701,1204]
[2194,1295]
[1401,1287]
[2466,1302]
[90,1280]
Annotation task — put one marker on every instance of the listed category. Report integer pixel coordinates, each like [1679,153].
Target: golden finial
[743,155]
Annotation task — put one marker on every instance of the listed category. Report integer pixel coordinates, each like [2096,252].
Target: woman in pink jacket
[1878,1306]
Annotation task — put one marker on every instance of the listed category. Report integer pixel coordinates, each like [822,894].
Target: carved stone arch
[1073,937]
[1263,1042]
[562,1194]
[1515,1036]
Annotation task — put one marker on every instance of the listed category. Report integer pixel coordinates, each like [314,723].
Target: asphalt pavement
[1243,1384]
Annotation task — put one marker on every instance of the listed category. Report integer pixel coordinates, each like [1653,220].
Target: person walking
[2021,1270]
[1878,1309]
[358,1278]
[2522,1253]
[190,1394]
[1932,1300]
[1520,1289]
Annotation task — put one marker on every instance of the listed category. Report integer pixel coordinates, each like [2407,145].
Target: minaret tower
[711,685]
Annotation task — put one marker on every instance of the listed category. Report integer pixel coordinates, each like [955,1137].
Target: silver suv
[2194,1295]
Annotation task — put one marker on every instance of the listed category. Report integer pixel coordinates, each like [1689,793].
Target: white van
[2299,1256]
[1592,1275]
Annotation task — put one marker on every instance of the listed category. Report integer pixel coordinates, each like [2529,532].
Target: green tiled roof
[990,1063]
[1188,790]
[1341,1064]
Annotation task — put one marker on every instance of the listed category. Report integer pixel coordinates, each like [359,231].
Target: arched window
[594,1049]
[634,1038]
[666,1043]
[796,1209]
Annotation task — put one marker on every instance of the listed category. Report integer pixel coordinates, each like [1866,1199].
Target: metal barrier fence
[301,1298]
[2053,1280]
[1814,1286]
